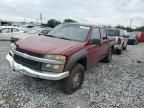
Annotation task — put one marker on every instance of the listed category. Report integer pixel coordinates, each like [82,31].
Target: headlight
[53,67]
[13,46]
[56,57]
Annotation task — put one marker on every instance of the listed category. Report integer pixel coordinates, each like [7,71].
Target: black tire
[69,86]
[134,42]
[125,47]
[108,58]
[137,42]
[119,51]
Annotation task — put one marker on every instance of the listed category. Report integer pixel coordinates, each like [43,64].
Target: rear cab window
[15,30]
[95,34]
[113,32]
[103,33]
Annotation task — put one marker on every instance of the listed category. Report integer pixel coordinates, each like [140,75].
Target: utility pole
[24,20]
[37,20]
[131,22]
[41,18]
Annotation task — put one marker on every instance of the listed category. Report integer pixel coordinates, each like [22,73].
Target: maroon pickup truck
[65,53]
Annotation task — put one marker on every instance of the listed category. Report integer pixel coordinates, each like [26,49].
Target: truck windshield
[113,32]
[70,32]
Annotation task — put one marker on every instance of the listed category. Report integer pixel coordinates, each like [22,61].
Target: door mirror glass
[95,41]
[125,36]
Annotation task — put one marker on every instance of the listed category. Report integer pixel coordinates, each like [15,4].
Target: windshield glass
[113,32]
[70,31]
[132,33]
[34,30]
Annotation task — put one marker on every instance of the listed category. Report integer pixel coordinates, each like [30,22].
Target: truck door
[94,50]
[104,42]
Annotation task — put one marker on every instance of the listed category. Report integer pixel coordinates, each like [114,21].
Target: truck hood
[47,45]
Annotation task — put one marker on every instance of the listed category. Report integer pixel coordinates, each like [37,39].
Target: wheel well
[123,44]
[83,61]
[112,47]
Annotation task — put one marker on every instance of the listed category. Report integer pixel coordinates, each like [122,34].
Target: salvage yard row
[119,83]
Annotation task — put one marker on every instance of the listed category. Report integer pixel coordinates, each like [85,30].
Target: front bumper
[117,47]
[38,74]
[131,41]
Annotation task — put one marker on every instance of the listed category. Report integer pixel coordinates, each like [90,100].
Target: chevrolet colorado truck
[120,39]
[64,54]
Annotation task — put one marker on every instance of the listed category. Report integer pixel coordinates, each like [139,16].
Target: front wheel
[125,47]
[119,51]
[74,81]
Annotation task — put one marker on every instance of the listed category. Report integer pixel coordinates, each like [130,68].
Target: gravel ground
[119,84]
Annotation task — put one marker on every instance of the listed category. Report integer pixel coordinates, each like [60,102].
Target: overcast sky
[109,12]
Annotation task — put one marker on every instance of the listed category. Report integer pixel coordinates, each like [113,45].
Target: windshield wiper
[64,38]
[51,36]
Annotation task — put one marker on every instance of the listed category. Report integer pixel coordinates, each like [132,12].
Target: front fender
[75,58]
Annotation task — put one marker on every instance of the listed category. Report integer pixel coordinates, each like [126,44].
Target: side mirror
[125,36]
[40,34]
[95,41]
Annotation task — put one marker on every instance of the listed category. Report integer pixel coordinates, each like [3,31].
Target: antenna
[41,18]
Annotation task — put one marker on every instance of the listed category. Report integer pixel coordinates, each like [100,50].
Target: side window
[15,30]
[95,34]
[123,32]
[103,33]
[43,32]
[5,30]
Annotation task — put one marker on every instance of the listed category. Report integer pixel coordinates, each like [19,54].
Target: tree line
[53,22]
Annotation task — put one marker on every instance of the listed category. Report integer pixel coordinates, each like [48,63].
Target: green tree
[52,23]
[124,28]
[121,27]
[140,28]
[69,20]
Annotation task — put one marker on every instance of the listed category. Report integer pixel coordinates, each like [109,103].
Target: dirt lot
[119,84]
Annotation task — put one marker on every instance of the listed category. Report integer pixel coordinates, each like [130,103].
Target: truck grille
[27,62]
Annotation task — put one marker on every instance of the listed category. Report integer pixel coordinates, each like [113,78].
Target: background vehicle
[65,53]
[141,37]
[7,31]
[120,39]
[133,38]
[35,31]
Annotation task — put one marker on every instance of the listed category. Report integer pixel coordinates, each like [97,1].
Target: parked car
[120,39]
[28,26]
[35,31]
[7,31]
[141,37]
[65,53]
[133,38]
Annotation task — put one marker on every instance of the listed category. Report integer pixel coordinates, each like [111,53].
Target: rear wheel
[108,58]
[74,81]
